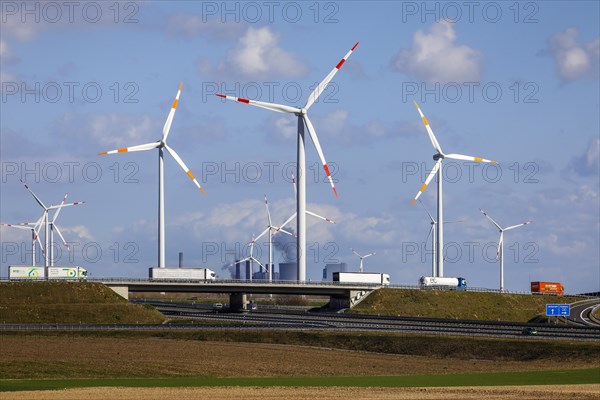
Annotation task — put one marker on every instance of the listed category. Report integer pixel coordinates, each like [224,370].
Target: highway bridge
[341,294]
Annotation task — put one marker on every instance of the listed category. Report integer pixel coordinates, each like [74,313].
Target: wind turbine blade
[516,226]
[315,140]
[184,167]
[62,237]
[279,229]
[287,221]
[19,226]
[469,158]
[241,261]
[141,147]
[428,235]
[169,121]
[429,178]
[77,203]
[369,255]
[490,218]
[269,106]
[268,212]
[37,233]
[263,233]
[427,211]
[500,245]
[294,183]
[34,196]
[59,208]
[355,252]
[434,141]
[318,216]
[321,87]
[258,262]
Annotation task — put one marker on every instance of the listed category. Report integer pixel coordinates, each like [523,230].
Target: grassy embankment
[69,302]
[458,305]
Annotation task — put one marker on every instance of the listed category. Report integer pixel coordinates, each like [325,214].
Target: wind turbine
[251,258]
[500,251]
[433,237]
[30,226]
[287,221]
[160,145]
[360,265]
[47,235]
[437,168]
[302,114]
[271,230]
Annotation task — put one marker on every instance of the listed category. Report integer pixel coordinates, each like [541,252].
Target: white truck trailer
[64,273]
[202,274]
[67,273]
[26,272]
[362,277]
[443,283]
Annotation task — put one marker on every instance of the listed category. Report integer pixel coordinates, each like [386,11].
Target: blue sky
[513,84]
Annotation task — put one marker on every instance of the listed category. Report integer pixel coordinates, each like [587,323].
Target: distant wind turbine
[160,145]
[437,169]
[500,251]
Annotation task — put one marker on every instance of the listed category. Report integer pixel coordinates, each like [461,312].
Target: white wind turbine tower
[432,230]
[437,168]
[360,265]
[271,230]
[500,251]
[48,237]
[160,145]
[33,227]
[251,258]
[302,114]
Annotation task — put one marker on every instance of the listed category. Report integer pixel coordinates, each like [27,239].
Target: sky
[512,82]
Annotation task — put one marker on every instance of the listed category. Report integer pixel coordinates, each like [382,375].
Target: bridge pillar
[238,301]
[121,290]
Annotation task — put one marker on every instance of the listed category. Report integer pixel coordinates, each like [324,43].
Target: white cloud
[435,57]
[81,231]
[257,55]
[111,129]
[573,60]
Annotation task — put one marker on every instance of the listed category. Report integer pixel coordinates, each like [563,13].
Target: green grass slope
[459,305]
[69,302]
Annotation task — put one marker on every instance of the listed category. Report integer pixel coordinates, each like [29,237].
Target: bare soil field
[40,357]
[570,392]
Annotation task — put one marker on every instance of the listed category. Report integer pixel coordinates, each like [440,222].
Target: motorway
[266,318]
[581,313]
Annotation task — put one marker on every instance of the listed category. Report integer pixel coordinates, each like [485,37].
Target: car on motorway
[218,306]
[529,331]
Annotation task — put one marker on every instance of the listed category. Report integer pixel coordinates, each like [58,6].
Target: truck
[67,273]
[61,273]
[194,274]
[442,283]
[556,288]
[26,272]
[362,277]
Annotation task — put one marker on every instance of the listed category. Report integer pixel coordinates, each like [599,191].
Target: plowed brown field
[570,392]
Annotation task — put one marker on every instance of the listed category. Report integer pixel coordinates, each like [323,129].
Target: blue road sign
[558,310]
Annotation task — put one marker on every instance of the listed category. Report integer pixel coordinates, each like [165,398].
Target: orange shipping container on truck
[547,287]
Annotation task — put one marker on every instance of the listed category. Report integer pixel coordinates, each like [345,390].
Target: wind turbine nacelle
[437,156]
